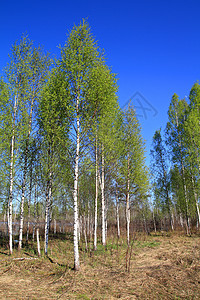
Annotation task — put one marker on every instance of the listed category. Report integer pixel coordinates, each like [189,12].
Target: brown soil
[161,267]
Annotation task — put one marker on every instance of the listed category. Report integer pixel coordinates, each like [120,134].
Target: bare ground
[155,267]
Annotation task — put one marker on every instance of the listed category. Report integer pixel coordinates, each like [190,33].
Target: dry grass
[161,267]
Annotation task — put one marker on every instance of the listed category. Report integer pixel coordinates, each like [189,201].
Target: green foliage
[160,173]
[133,149]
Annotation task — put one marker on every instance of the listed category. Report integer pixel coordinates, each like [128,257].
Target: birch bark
[38,242]
[196,199]
[29,206]
[117,214]
[184,180]
[128,202]
[47,214]
[11,177]
[96,196]
[24,178]
[76,251]
[103,201]
[35,202]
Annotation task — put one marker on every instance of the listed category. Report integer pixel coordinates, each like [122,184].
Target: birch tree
[132,169]
[54,127]
[16,77]
[192,142]
[160,171]
[103,86]
[175,139]
[37,65]
[80,56]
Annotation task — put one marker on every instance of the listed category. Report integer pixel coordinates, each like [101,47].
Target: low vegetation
[156,266]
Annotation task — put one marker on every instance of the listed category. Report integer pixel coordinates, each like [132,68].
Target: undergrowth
[151,267]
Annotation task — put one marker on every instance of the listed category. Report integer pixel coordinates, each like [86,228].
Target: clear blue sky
[153,46]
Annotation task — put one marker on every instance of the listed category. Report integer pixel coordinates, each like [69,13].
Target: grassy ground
[154,267]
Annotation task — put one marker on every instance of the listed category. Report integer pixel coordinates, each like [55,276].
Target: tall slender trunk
[76,251]
[22,200]
[168,200]
[117,214]
[195,194]
[35,201]
[29,206]
[91,232]
[47,213]
[181,220]
[172,219]
[106,219]
[184,180]
[8,219]
[85,232]
[154,221]
[24,178]
[96,196]
[128,202]
[145,224]
[4,221]
[103,201]
[11,177]
[38,242]
[170,212]
[196,199]
[186,200]
[88,219]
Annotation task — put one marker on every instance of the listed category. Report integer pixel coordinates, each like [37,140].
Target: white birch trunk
[106,220]
[24,179]
[184,182]
[76,251]
[181,220]
[128,204]
[96,197]
[103,202]
[8,220]
[196,199]
[186,202]
[117,214]
[171,219]
[35,200]
[47,216]
[91,233]
[21,222]
[154,221]
[38,242]
[11,178]
[88,221]
[29,207]
[85,234]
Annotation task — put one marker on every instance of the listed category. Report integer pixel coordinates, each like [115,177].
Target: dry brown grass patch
[161,267]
